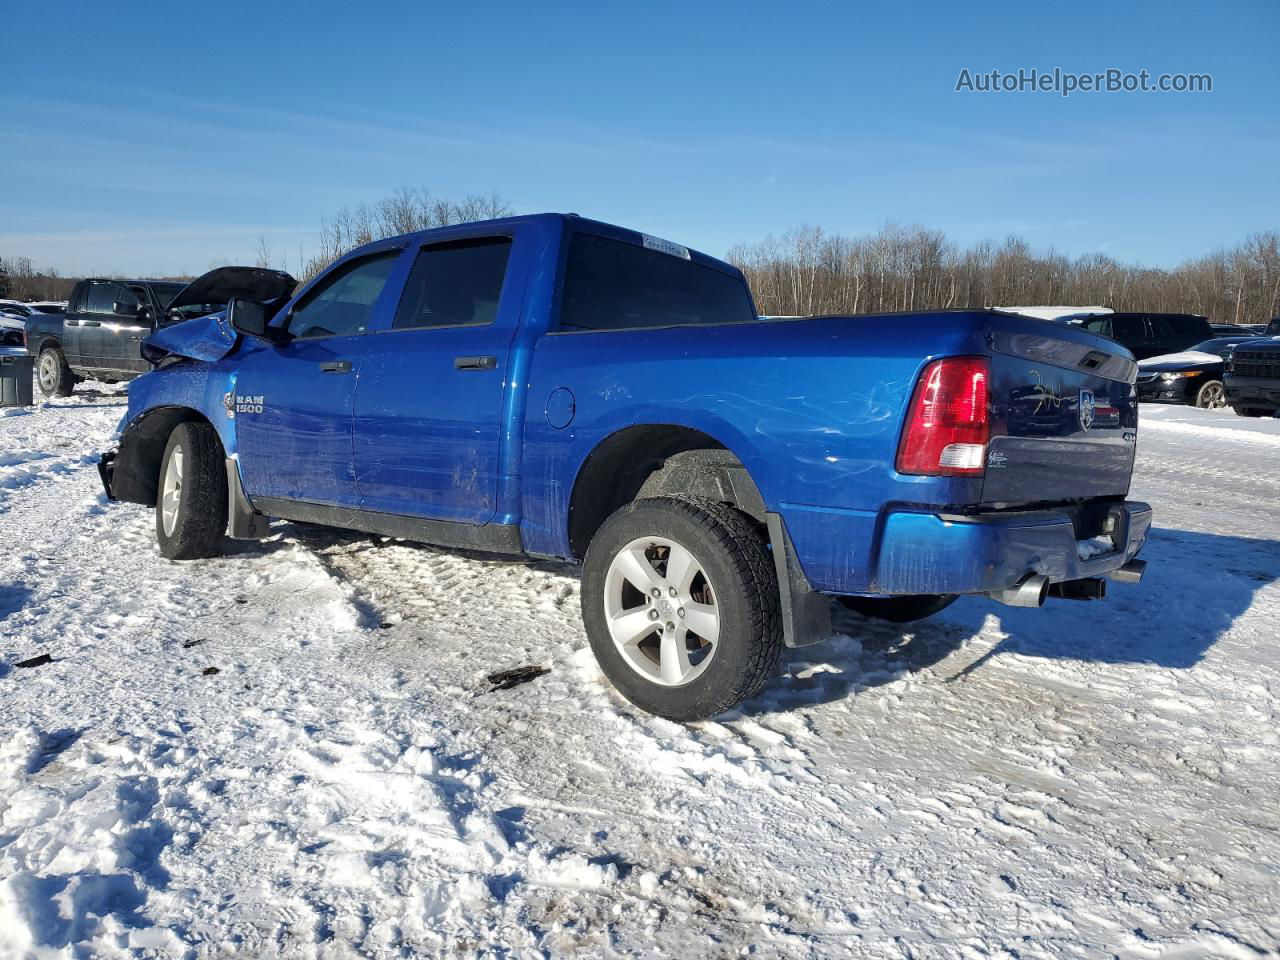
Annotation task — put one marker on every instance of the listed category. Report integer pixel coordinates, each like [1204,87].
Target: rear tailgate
[1064,413]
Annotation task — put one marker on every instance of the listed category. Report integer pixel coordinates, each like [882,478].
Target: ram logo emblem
[1088,409]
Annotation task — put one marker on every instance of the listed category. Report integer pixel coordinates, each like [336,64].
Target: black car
[1151,334]
[1194,376]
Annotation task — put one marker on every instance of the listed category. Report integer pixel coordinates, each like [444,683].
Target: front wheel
[680,603]
[191,506]
[53,374]
[1211,396]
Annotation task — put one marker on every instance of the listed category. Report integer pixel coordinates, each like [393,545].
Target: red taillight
[949,421]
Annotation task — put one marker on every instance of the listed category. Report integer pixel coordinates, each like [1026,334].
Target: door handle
[475,363]
[90,323]
[71,323]
[336,366]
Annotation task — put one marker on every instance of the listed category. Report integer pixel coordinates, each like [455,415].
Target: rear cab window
[616,285]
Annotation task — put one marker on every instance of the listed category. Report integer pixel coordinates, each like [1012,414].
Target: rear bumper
[929,553]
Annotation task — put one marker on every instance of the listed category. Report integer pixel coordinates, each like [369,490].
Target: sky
[160,139]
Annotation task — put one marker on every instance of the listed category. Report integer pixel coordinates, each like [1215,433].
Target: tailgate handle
[1094,359]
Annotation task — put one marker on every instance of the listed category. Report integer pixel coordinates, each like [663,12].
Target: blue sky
[159,138]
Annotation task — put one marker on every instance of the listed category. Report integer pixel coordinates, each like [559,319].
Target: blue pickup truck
[554,386]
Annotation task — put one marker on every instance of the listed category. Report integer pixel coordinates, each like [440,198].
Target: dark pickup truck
[99,335]
[1253,375]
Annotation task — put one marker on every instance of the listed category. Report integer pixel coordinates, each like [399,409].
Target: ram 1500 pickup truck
[553,386]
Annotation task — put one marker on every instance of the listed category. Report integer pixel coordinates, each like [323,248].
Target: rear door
[70,334]
[99,325]
[1064,414]
[428,410]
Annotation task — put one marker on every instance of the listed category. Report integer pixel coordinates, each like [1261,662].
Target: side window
[1128,329]
[1099,326]
[615,285]
[103,295]
[343,303]
[1176,326]
[454,284]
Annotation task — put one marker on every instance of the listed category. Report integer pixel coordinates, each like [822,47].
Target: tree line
[809,271]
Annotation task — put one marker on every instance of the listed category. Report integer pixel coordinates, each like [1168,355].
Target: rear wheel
[680,603]
[899,609]
[53,374]
[1211,396]
[191,507]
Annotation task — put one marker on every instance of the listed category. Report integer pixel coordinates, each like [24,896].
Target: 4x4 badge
[1087,409]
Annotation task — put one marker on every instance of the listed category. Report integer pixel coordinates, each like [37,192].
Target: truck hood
[223,283]
[208,338]
[1176,361]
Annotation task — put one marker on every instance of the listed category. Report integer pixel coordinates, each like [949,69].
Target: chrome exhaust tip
[1030,591]
[1131,572]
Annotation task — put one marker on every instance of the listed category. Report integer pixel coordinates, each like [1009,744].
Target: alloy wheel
[661,611]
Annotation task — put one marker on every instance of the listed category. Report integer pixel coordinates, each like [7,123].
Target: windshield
[166,291]
[1220,347]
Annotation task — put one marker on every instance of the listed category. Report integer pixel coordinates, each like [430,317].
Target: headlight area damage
[210,337]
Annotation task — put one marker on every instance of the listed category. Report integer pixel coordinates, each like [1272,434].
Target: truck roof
[570,220]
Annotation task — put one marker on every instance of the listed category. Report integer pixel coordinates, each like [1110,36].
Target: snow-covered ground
[293,750]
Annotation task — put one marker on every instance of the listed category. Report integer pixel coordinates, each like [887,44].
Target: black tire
[735,559]
[899,609]
[200,523]
[1211,396]
[1251,412]
[53,375]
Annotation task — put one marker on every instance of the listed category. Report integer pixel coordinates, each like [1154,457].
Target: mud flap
[806,614]
[243,522]
[106,470]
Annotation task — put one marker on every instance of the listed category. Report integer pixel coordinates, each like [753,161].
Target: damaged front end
[209,336]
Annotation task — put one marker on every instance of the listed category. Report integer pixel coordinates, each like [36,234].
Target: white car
[14,314]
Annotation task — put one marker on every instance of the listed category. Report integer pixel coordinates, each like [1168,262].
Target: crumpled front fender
[208,338]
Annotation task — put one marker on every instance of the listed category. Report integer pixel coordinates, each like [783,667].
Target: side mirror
[248,317]
[125,309]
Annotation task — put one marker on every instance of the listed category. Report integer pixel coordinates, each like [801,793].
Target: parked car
[100,334]
[1152,334]
[1193,376]
[551,386]
[1252,377]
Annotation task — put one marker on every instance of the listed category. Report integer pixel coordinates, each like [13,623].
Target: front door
[429,404]
[293,402]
